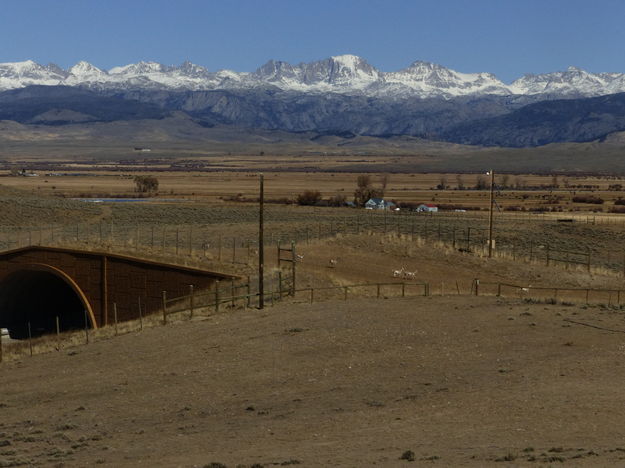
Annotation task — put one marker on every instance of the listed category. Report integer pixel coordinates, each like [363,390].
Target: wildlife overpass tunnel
[38,284]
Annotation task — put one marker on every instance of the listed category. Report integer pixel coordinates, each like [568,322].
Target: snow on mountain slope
[429,79]
[346,74]
[20,74]
[573,81]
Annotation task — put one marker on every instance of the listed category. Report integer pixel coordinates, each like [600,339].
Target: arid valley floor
[451,379]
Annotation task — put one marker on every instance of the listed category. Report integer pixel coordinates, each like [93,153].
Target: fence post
[477,284]
[232,300]
[58,334]
[217,296]
[115,316]
[293,267]
[403,289]
[248,291]
[547,254]
[164,307]
[140,315]
[498,289]
[192,299]
[86,329]
[312,294]
[30,339]
[378,291]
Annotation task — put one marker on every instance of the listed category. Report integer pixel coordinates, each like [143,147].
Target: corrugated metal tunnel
[38,296]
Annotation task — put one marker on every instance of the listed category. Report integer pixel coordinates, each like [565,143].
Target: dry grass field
[441,381]
[514,191]
[448,380]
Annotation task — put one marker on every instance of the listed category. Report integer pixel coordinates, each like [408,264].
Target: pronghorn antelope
[398,273]
[333,263]
[410,274]
[299,258]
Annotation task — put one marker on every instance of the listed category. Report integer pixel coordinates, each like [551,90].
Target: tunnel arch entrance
[37,294]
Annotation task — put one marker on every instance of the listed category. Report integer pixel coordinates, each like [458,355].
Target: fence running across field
[466,232]
[222,299]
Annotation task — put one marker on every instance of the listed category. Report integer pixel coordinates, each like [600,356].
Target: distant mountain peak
[345,74]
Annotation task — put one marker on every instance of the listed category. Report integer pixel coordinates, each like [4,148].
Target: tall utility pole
[261,248]
[490,214]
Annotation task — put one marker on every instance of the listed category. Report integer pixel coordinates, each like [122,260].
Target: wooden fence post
[192,301]
[403,289]
[378,290]
[293,267]
[30,339]
[164,307]
[86,329]
[477,284]
[248,291]
[115,316]
[140,315]
[547,254]
[217,296]
[312,295]
[58,334]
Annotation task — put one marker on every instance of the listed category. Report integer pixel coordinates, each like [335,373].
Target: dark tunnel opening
[38,297]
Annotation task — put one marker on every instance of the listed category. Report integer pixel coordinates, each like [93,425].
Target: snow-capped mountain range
[344,74]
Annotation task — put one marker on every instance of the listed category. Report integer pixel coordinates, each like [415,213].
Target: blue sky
[507,38]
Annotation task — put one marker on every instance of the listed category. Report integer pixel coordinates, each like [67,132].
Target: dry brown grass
[403,187]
